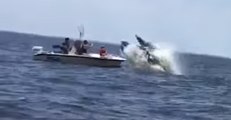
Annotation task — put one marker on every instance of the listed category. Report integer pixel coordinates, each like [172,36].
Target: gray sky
[201,26]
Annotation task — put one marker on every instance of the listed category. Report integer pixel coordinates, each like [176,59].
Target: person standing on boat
[67,44]
[103,52]
[77,45]
[84,47]
[63,48]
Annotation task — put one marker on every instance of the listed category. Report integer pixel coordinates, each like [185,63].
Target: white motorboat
[92,59]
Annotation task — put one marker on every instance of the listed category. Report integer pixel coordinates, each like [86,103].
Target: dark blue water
[36,90]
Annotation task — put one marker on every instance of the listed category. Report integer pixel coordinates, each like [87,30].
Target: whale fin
[143,43]
[123,44]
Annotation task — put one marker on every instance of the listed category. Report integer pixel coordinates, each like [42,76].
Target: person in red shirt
[102,52]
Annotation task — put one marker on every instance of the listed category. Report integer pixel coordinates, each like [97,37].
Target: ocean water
[37,90]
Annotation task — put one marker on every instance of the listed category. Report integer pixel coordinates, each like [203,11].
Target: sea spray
[165,52]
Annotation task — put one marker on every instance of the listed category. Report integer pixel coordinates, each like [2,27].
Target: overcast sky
[201,26]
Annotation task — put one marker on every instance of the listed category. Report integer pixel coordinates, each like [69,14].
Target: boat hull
[79,59]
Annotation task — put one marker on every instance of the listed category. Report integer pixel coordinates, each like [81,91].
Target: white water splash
[166,53]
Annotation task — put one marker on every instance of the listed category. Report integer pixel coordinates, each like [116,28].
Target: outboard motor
[37,49]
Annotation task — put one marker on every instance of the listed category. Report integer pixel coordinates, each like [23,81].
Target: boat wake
[167,59]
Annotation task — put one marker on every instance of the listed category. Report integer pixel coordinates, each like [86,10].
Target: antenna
[81,31]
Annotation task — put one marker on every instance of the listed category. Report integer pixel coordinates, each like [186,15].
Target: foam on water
[165,52]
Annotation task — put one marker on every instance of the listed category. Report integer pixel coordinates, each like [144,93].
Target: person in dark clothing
[63,48]
[77,45]
[84,47]
[67,44]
